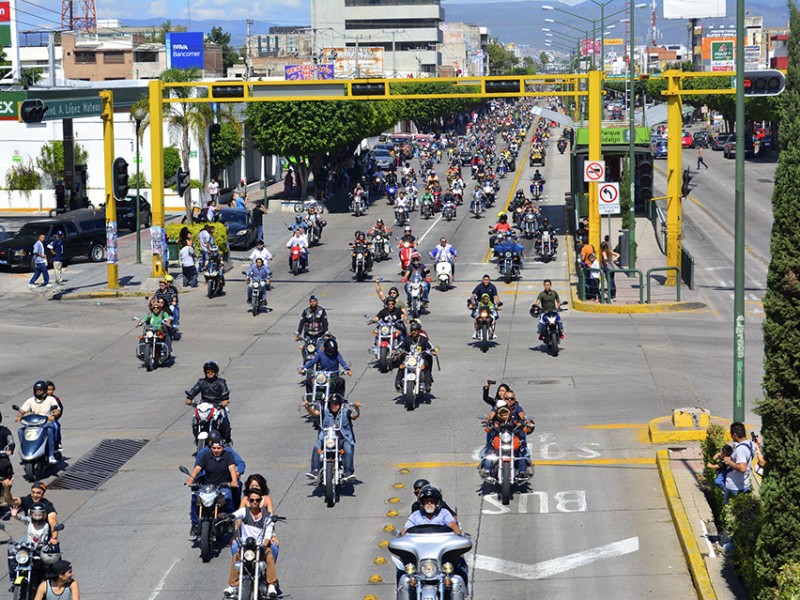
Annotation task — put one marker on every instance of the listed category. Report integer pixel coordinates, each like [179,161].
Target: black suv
[84,235]
[126,216]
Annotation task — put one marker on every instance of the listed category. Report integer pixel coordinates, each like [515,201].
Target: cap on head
[60,567]
[313,297]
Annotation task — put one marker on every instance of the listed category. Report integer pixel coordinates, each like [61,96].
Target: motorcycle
[509,265]
[386,340]
[476,207]
[401,216]
[553,330]
[258,295]
[321,387]
[529,225]
[357,206]
[537,159]
[252,565]
[449,211]
[206,419]
[391,193]
[415,293]
[501,170]
[406,250]
[413,366]
[507,467]
[484,326]
[537,187]
[152,349]
[361,253]
[547,245]
[210,502]
[488,194]
[33,446]
[332,471]
[444,272]
[296,260]
[380,244]
[215,281]
[561,145]
[426,209]
[426,558]
[30,561]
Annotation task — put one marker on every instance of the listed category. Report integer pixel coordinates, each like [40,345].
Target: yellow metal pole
[674,174]
[107,98]
[157,172]
[595,99]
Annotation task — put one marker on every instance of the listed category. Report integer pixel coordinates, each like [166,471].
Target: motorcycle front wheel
[409,397]
[254,302]
[247,589]
[210,286]
[330,488]
[505,487]
[31,471]
[554,343]
[205,541]
[484,337]
[21,591]
[295,267]
[383,360]
[149,358]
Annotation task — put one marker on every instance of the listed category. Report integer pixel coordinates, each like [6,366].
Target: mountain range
[521,22]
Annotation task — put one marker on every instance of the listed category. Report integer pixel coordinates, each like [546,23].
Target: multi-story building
[464,49]
[407,30]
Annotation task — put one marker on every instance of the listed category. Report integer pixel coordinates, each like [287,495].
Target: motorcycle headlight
[321,379]
[242,232]
[31,435]
[249,555]
[428,568]
[22,557]
[330,443]
[359,256]
[508,254]
[311,348]
[208,500]
[447,568]
[505,437]
[411,361]
[410,569]
[149,334]
[484,314]
[385,330]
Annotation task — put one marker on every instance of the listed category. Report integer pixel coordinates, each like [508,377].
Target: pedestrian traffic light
[369,89]
[183,181]
[687,179]
[769,82]
[644,181]
[32,111]
[503,86]
[120,178]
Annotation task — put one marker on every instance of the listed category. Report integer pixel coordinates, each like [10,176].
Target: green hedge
[220,234]
[743,521]
[789,582]
[715,440]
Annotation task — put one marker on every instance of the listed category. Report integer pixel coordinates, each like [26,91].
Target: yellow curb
[389,528]
[383,544]
[694,559]
[658,435]
[107,294]
[379,561]
[392,513]
[398,486]
[375,579]
[620,309]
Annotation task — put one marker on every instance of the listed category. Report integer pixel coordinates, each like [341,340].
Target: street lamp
[632,134]
[139,115]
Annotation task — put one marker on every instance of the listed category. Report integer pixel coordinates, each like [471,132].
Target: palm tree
[544,60]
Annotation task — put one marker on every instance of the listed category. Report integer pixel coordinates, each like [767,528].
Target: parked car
[687,141]
[383,158]
[659,147]
[718,142]
[84,235]
[701,139]
[242,231]
[729,150]
[388,146]
[126,217]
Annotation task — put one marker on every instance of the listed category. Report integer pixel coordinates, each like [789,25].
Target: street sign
[72,108]
[609,198]
[594,171]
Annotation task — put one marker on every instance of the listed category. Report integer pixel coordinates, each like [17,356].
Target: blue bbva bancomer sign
[184,50]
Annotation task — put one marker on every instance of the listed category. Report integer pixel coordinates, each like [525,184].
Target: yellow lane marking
[543,463]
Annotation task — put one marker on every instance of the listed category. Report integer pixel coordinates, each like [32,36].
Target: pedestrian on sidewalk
[700,160]
[188,267]
[39,263]
[738,479]
[213,190]
[56,247]
[259,210]
[287,183]
[608,260]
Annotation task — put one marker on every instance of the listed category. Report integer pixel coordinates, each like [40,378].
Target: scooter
[444,273]
[33,445]
[296,260]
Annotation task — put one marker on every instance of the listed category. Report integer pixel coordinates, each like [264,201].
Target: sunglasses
[254,500]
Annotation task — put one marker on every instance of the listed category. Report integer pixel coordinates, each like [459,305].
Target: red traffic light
[769,82]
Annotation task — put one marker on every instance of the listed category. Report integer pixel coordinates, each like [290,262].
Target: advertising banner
[369,64]
[306,72]
[719,38]
[692,9]
[5,23]
[722,56]
[184,50]
[588,48]
[9,105]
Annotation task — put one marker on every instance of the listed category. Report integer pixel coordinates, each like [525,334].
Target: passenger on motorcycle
[217,468]
[41,403]
[407,236]
[509,243]
[484,302]
[380,229]
[160,318]
[299,223]
[258,271]
[25,503]
[393,313]
[505,414]
[214,390]
[361,240]
[424,344]
[548,300]
[313,320]
[446,252]
[502,225]
[260,251]
[329,359]
[299,239]
[36,532]
[340,414]
[415,266]
[431,512]
[169,295]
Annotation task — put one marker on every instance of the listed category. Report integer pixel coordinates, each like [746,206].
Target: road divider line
[162,582]
[424,235]
[541,463]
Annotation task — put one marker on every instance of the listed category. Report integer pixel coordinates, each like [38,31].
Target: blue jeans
[176,313]
[274,547]
[41,269]
[194,513]
[51,431]
[260,232]
[349,450]
[203,260]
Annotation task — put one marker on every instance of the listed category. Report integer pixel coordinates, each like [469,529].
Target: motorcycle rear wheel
[505,487]
[553,343]
[409,397]
[205,541]
[330,488]
[383,360]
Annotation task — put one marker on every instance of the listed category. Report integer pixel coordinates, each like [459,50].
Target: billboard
[369,63]
[8,36]
[706,50]
[586,47]
[722,56]
[692,9]
[306,72]
[184,49]
[5,23]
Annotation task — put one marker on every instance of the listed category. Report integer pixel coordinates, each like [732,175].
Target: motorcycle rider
[504,414]
[415,266]
[8,445]
[393,313]
[401,202]
[419,485]
[298,223]
[486,287]
[315,221]
[213,438]
[159,317]
[484,303]
[477,196]
[258,271]
[45,405]
[260,251]
[214,390]
[173,305]
[537,178]
[170,297]
[341,414]
[548,300]
[299,239]
[431,512]
[361,240]
[329,360]
[37,532]
[393,293]
[423,343]
[218,468]
[25,503]
[313,320]
[446,250]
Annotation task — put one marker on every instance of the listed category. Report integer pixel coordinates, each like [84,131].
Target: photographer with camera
[733,463]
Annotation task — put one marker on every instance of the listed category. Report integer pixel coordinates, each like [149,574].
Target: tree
[226,146]
[229,54]
[51,160]
[544,60]
[780,409]
[501,61]
[427,114]
[159,36]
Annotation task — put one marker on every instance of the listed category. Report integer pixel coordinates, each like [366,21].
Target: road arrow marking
[555,566]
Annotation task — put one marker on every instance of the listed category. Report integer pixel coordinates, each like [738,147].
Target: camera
[491,381]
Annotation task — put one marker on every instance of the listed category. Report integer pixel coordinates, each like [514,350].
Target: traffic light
[32,111]
[60,194]
[644,181]
[503,86]
[227,91]
[687,179]
[183,181]
[768,82]
[369,89]
[120,178]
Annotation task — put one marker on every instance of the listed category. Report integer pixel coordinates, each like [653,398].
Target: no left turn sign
[594,171]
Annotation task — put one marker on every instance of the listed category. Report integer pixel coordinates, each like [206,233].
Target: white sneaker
[32,285]
[230,591]
[271,591]
[474,335]
[49,285]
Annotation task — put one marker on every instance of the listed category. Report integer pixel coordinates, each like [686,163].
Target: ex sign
[609,198]
[594,171]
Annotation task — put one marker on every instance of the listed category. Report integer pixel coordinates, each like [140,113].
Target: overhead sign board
[608,194]
[692,9]
[613,42]
[184,50]
[5,23]
[722,56]
[594,171]
[73,108]
[614,135]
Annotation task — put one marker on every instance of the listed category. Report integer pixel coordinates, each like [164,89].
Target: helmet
[485,298]
[419,484]
[214,437]
[500,215]
[415,256]
[298,218]
[40,386]
[379,221]
[48,556]
[416,326]
[210,365]
[407,229]
[169,278]
[330,346]
[259,242]
[214,248]
[37,513]
[430,491]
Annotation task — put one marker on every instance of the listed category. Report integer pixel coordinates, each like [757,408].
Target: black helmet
[210,365]
[330,346]
[430,491]
[214,437]
[419,484]
[298,218]
[416,326]
[40,386]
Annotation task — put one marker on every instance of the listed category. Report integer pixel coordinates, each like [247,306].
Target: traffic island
[684,425]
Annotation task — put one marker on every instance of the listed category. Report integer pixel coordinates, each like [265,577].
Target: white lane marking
[163,580]
[549,568]
[429,230]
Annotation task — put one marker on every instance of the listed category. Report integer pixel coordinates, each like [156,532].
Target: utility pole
[248,52]
[394,33]
[357,73]
[51,57]
[739,212]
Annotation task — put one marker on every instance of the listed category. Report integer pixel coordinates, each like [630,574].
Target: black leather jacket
[213,391]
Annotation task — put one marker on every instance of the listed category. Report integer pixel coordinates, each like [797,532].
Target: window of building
[392,24]
[85,58]
[146,56]
[390,2]
[113,58]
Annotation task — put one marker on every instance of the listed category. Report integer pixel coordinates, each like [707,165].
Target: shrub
[743,521]
[715,440]
[172,160]
[220,234]
[788,582]
[143,183]
[23,178]
[195,184]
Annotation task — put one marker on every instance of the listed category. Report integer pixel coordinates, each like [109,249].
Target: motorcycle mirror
[134,319]
[58,527]
[184,470]
[564,303]
[15,407]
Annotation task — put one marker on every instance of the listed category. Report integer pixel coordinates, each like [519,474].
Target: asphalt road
[593,523]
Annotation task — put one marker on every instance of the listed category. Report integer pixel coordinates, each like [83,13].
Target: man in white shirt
[188,267]
[213,190]
[260,251]
[299,239]
[39,263]
[205,240]
[45,405]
